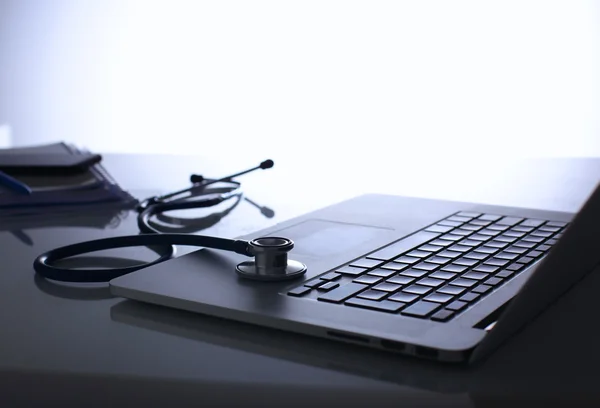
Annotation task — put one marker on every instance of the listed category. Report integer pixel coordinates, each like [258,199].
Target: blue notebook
[94,187]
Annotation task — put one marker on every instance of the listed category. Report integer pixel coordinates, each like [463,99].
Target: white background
[354,79]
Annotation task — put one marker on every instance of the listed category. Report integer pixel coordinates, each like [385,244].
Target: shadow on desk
[554,361]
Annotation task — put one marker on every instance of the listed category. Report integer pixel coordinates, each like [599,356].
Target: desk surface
[75,342]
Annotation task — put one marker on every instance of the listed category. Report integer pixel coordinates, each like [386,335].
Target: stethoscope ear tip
[267,164]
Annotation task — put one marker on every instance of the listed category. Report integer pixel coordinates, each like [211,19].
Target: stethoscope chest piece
[271,262]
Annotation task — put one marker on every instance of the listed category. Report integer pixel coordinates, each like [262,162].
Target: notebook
[52,193]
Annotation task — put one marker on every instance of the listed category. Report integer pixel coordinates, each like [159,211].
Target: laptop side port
[427,352]
[393,345]
[348,337]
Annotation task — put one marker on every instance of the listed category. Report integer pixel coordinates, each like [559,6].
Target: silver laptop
[441,280]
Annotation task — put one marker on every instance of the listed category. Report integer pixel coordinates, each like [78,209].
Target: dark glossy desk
[62,345]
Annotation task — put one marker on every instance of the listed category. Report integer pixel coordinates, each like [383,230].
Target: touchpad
[318,238]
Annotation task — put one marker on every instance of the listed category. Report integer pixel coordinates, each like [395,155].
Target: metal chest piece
[271,261]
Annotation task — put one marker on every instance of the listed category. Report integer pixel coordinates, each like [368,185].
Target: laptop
[441,280]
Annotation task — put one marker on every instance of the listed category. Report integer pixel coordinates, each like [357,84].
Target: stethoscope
[270,254]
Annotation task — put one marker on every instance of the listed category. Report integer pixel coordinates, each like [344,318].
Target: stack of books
[54,179]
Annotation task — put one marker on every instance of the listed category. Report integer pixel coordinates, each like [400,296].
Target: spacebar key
[406,244]
[342,293]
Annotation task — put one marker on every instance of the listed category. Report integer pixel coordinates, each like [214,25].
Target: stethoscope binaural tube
[270,263]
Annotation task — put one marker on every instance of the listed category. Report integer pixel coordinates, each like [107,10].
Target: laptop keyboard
[440,271]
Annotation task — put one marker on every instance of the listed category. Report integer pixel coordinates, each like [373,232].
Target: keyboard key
[418,254]
[458,218]
[518,228]
[541,234]
[394,266]
[299,291]
[457,306]
[314,283]
[426,266]
[543,248]
[530,222]
[454,268]
[535,254]
[505,274]
[403,297]
[386,287]
[400,280]
[551,241]
[330,276]
[516,250]
[515,267]
[496,244]
[450,223]
[351,270]
[407,260]
[496,262]
[503,238]
[403,245]
[506,255]
[421,309]
[439,228]
[430,248]
[463,232]
[558,236]
[526,259]
[449,254]
[342,293]
[365,263]
[468,214]
[470,297]
[471,227]
[549,229]
[465,262]
[496,227]
[514,234]
[530,238]
[414,273]
[477,255]
[417,289]
[451,237]
[439,260]
[465,283]
[510,221]
[442,275]
[479,237]
[460,248]
[442,315]
[368,279]
[489,232]
[486,269]
[372,294]
[480,222]
[384,273]
[493,281]
[434,283]
[383,306]
[469,243]
[475,275]
[556,224]
[452,290]
[481,289]
[487,250]
[328,286]
[441,242]
[490,217]
[438,298]
[524,244]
